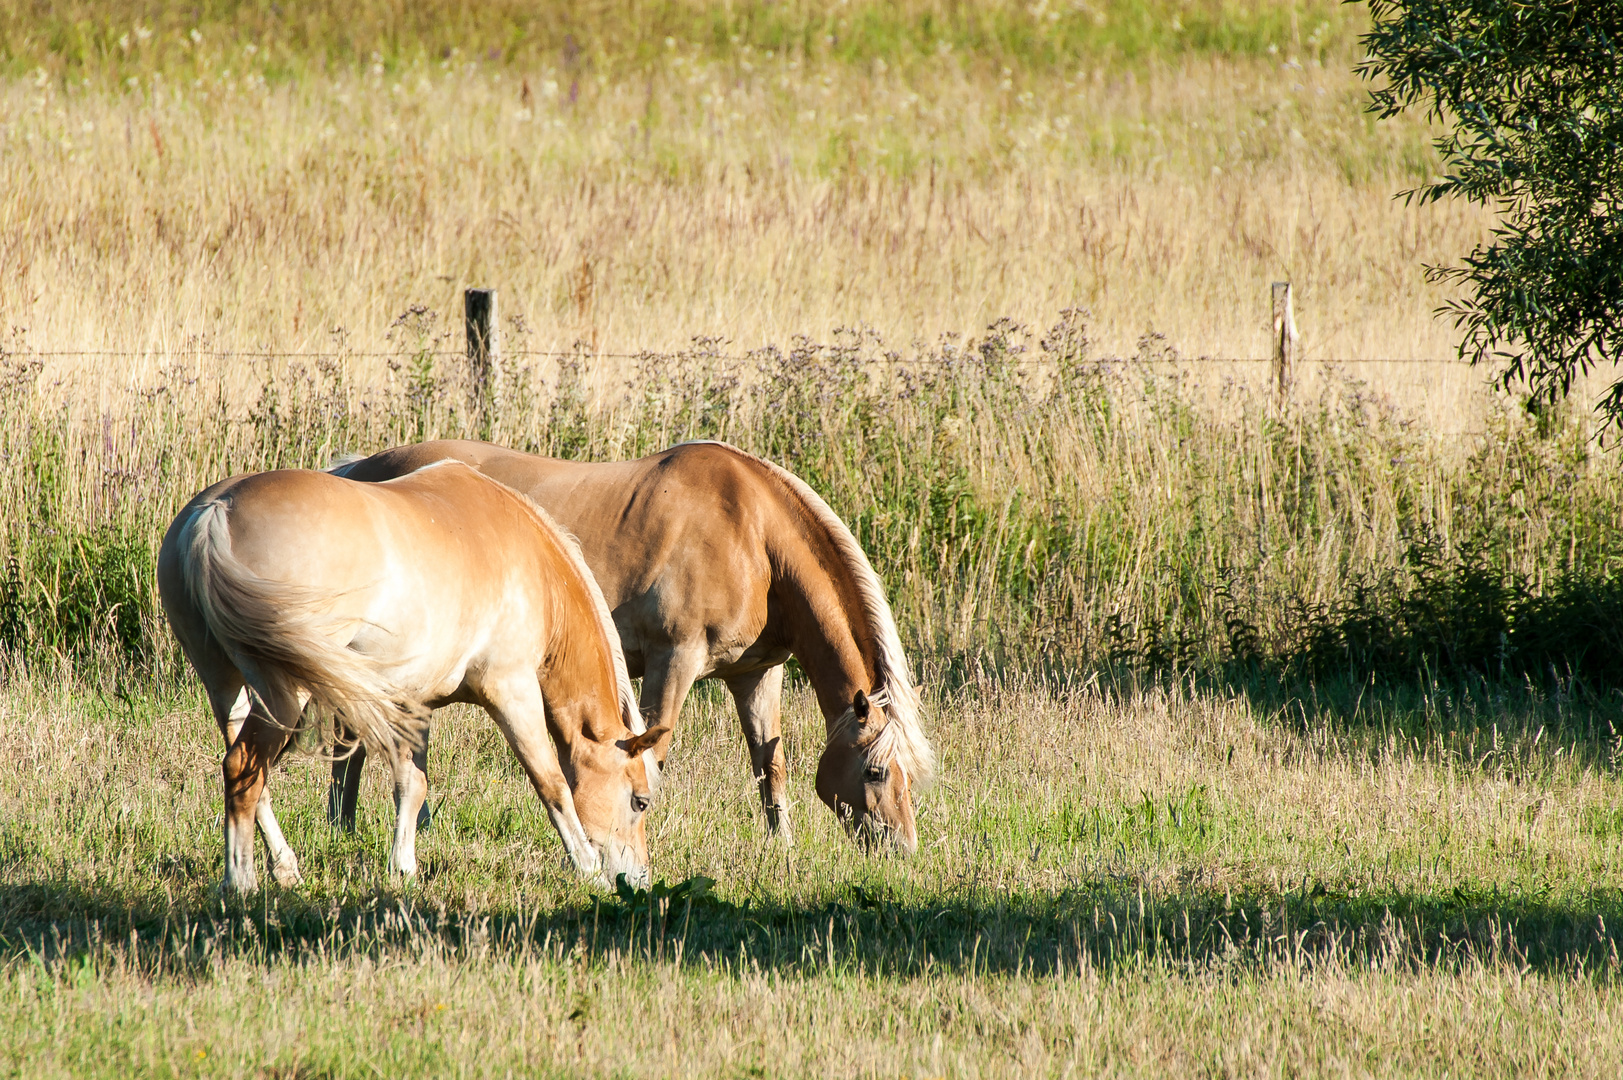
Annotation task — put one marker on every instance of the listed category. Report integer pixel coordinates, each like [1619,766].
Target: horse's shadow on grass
[1099,925]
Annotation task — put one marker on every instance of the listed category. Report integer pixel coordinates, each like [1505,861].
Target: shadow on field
[1478,718]
[1449,644]
[1100,925]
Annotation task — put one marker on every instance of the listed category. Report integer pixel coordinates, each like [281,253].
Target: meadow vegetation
[1277,735]
[1129,880]
[749,194]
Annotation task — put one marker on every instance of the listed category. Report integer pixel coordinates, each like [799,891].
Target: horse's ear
[648,740]
[859,705]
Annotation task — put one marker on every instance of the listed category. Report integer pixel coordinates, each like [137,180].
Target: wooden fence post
[1284,340]
[484,367]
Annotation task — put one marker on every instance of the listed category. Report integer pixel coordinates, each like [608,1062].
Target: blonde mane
[629,710]
[902,740]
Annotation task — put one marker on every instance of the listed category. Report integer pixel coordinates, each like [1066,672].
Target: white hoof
[777,823]
[287,874]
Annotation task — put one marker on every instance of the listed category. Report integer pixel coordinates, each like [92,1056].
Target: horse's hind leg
[231,704]
[759,695]
[410,790]
[284,864]
[259,738]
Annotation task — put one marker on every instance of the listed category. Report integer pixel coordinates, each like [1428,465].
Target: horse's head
[614,785]
[862,780]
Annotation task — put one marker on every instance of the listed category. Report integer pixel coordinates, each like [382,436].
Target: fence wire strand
[698,354]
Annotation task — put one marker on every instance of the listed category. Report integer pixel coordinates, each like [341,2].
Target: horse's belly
[655,623]
[743,658]
[417,656]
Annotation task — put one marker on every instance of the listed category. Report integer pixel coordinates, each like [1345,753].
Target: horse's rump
[286,638]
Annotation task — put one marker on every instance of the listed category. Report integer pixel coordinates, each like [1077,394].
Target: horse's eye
[875,774]
[641,803]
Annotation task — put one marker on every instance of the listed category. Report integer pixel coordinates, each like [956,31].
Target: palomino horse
[380,602]
[718,564]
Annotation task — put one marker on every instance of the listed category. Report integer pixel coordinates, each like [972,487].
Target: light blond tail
[276,632]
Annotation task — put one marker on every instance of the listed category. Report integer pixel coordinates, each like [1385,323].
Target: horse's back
[695,502]
[424,565]
[678,540]
[697,509]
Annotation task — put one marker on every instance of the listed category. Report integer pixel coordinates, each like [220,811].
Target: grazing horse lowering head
[863,776]
[614,785]
[380,602]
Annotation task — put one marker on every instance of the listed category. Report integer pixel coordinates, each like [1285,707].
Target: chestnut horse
[718,564]
[380,602]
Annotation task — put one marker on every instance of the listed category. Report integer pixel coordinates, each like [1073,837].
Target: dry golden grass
[745,198]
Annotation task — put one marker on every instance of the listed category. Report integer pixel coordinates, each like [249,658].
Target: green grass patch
[74,40]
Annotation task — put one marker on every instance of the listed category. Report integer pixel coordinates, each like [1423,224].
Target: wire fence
[700,354]
[963,354]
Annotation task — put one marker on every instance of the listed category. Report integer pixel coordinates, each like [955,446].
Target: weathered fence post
[484,367]
[1284,340]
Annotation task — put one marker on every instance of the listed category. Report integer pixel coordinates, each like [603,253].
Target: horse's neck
[832,643]
[571,674]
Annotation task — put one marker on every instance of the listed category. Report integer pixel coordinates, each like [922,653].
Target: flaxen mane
[629,711]
[902,740]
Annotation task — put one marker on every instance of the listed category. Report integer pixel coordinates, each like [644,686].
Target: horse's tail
[278,635]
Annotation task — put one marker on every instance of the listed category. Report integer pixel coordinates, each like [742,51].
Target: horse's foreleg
[759,696]
[519,711]
[344,793]
[667,677]
[410,790]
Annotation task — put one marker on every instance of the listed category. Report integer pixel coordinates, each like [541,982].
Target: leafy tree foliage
[1530,97]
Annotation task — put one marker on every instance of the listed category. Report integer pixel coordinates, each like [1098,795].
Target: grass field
[1117,880]
[171,193]
[1277,738]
